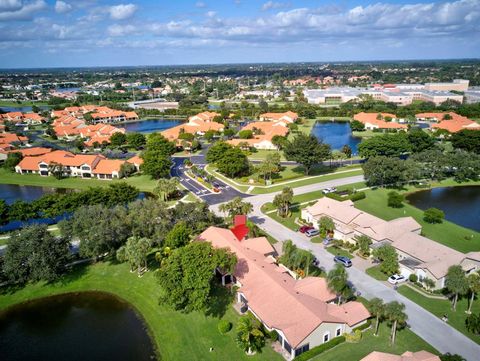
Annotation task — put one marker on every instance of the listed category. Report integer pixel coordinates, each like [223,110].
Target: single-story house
[406,356]
[378,121]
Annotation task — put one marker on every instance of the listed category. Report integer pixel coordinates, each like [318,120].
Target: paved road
[437,333]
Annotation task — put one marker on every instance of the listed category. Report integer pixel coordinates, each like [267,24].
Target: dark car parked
[345,261]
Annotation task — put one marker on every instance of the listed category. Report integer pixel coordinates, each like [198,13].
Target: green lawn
[439,308]
[452,235]
[261,154]
[194,332]
[339,252]
[406,341]
[365,134]
[376,273]
[9,103]
[142,182]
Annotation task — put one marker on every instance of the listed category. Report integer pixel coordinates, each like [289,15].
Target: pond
[460,204]
[337,134]
[12,192]
[151,125]
[24,109]
[77,326]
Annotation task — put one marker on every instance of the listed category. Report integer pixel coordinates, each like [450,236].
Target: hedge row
[353,197]
[320,349]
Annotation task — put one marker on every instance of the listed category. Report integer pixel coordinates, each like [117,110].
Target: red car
[303,229]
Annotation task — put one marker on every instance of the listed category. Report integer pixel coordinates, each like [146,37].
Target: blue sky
[53,33]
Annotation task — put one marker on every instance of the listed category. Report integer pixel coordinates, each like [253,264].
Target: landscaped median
[242,186]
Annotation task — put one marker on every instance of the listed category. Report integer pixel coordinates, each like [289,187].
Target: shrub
[413,278]
[224,326]
[272,335]
[320,349]
[354,337]
[433,215]
[395,200]
[364,326]
[335,196]
[358,196]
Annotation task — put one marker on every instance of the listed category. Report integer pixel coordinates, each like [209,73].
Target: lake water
[337,134]
[151,125]
[83,326]
[460,204]
[12,192]
[25,109]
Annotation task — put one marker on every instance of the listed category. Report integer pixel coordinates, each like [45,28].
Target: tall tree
[388,255]
[233,163]
[34,254]
[283,201]
[307,150]
[376,307]
[236,207]
[135,252]
[270,165]
[395,313]
[326,224]
[337,280]
[216,151]
[474,287]
[186,276]
[389,145]
[178,236]
[249,334]
[166,188]
[456,282]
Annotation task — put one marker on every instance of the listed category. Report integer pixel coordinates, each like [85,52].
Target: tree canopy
[306,150]
[389,145]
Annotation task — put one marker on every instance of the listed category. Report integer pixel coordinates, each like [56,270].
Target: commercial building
[417,254]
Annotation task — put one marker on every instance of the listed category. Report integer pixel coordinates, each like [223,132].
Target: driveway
[433,330]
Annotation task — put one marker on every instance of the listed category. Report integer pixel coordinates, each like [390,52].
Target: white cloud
[26,10]
[120,30]
[200,4]
[62,7]
[269,5]
[122,11]
[10,5]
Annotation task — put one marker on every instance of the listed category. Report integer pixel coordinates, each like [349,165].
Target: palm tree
[394,311]
[474,287]
[376,307]
[283,200]
[166,188]
[337,280]
[456,282]
[249,336]
[236,207]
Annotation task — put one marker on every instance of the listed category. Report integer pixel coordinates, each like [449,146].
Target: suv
[312,232]
[303,229]
[345,261]
[396,278]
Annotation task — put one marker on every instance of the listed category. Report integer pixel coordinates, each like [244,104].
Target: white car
[329,190]
[396,279]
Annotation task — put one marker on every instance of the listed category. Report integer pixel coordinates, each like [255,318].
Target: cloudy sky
[52,33]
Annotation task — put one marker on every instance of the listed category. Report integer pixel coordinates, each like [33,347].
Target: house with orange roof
[416,254]
[74,165]
[9,141]
[203,117]
[379,121]
[100,114]
[263,133]
[287,117]
[301,311]
[136,161]
[194,126]
[20,117]
[32,152]
[406,356]
[449,121]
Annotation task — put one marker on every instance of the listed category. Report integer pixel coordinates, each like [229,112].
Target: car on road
[312,232]
[396,279]
[303,229]
[345,261]
[216,187]
[329,190]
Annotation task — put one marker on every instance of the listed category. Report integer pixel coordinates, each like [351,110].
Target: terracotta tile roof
[204,116]
[108,166]
[32,152]
[271,292]
[371,118]
[192,128]
[275,117]
[407,356]
[269,130]
[456,124]
[401,232]
[135,160]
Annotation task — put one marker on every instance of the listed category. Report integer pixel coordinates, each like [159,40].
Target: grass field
[439,308]
[9,103]
[194,332]
[142,182]
[365,134]
[261,154]
[452,235]
[406,341]
[376,273]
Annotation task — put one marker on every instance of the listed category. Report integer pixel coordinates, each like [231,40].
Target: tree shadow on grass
[220,299]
